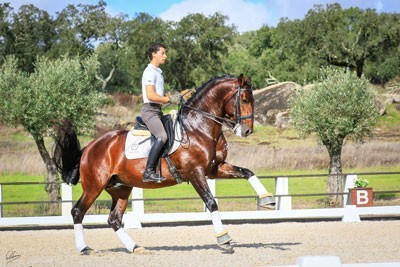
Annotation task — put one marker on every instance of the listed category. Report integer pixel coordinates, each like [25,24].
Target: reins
[223,121]
[217,119]
[231,124]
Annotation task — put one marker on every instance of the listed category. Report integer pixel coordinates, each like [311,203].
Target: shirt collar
[155,68]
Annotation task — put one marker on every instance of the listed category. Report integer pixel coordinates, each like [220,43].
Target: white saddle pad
[138,143]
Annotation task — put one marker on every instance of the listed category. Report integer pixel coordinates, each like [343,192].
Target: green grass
[22,193]
[392,117]
[31,192]
[224,188]
[269,135]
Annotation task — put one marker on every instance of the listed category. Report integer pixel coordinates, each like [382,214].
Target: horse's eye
[245,101]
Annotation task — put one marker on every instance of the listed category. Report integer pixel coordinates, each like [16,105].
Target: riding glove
[175,99]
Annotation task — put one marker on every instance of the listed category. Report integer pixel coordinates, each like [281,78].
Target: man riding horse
[225,101]
[153,98]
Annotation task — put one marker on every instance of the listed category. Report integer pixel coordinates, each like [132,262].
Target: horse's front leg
[226,170]
[199,183]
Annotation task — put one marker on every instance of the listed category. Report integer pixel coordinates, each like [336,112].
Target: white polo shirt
[152,76]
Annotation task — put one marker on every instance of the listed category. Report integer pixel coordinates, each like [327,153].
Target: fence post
[282,188]
[348,183]
[1,200]
[66,195]
[132,218]
[138,202]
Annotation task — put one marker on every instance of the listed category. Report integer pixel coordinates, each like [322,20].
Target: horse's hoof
[227,248]
[224,242]
[223,238]
[267,202]
[139,250]
[86,251]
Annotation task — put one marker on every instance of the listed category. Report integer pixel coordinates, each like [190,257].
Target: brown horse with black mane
[102,164]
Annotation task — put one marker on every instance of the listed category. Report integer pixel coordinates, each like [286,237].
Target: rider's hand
[175,99]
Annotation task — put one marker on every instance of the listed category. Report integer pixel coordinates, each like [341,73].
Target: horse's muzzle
[242,130]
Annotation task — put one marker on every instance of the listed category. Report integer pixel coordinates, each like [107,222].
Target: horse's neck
[212,100]
[202,116]
[197,123]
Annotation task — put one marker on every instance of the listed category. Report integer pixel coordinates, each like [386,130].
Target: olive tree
[340,106]
[42,100]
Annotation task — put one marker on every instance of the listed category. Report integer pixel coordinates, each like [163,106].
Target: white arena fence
[283,210]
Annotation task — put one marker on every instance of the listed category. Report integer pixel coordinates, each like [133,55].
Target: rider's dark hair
[154,47]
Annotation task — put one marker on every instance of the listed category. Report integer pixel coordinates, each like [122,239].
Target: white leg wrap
[126,239]
[257,185]
[217,223]
[79,238]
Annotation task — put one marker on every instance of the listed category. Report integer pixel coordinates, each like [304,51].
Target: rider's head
[154,48]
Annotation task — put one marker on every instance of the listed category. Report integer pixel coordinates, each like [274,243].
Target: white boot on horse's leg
[223,238]
[266,199]
[80,240]
[130,245]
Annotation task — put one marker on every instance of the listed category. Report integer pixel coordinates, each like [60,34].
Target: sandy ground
[255,245]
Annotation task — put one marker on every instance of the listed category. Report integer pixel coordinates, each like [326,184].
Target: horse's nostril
[247,132]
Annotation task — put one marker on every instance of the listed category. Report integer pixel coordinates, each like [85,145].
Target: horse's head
[225,100]
[239,107]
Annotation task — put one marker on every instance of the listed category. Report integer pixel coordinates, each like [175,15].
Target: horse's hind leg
[78,212]
[120,195]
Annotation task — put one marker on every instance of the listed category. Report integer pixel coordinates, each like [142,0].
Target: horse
[225,101]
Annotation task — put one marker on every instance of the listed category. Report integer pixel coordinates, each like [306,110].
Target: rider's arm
[154,97]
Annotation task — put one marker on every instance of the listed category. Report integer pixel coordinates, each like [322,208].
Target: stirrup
[151,176]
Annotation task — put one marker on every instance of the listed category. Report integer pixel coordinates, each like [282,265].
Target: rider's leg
[156,127]
[149,174]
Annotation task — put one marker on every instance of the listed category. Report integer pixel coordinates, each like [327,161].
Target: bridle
[231,124]
[238,113]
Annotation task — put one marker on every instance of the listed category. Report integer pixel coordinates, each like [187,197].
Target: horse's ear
[241,80]
[248,80]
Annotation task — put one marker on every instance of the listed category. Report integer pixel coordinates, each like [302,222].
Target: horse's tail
[67,153]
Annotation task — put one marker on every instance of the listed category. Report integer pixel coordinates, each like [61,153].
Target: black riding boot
[149,174]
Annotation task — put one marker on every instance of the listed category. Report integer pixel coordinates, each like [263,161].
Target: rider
[153,98]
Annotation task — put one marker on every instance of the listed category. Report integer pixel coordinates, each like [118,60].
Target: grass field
[224,188]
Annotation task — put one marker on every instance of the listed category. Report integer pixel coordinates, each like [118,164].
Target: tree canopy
[201,47]
[348,38]
[64,88]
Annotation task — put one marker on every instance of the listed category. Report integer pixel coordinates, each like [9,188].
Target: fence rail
[137,216]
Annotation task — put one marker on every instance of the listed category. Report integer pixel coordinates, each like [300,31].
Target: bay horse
[102,165]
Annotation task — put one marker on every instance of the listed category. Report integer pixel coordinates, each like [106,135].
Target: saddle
[140,140]
[141,129]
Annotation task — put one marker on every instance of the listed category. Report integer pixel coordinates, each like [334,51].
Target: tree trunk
[360,67]
[334,182]
[106,80]
[52,187]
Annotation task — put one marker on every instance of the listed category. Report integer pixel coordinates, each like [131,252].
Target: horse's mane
[199,94]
